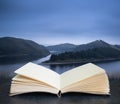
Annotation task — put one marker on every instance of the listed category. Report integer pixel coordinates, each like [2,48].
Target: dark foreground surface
[69,98]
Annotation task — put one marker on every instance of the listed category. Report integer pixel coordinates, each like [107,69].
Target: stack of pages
[87,78]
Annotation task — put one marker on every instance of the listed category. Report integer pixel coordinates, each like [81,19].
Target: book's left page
[21,85]
[40,73]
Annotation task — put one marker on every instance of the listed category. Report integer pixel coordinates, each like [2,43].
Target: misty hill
[16,48]
[117,46]
[94,51]
[61,48]
[67,47]
[94,44]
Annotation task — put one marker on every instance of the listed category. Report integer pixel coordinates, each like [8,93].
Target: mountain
[66,47]
[91,52]
[90,55]
[117,46]
[92,45]
[16,48]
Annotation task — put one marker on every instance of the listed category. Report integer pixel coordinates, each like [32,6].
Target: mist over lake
[112,67]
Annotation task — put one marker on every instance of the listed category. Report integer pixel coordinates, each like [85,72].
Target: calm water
[7,72]
[112,68]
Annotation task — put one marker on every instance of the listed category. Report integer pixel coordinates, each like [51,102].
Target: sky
[50,22]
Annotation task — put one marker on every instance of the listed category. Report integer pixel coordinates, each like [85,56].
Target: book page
[22,79]
[27,88]
[97,84]
[79,73]
[40,73]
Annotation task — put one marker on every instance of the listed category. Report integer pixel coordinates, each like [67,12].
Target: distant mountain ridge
[117,46]
[67,47]
[94,44]
[95,51]
[91,55]
[16,48]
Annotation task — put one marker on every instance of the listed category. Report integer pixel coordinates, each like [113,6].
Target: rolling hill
[91,52]
[94,44]
[67,47]
[20,49]
[61,48]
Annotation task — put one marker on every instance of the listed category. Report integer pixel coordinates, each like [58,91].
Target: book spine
[59,94]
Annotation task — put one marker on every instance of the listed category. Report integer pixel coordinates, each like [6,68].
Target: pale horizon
[80,43]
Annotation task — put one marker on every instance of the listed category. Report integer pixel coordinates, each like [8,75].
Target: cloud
[72,19]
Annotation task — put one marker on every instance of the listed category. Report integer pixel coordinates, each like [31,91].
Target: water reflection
[112,68]
[62,68]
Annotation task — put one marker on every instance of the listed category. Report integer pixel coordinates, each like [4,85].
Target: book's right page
[79,74]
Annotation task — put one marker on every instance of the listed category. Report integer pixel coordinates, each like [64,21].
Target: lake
[112,67]
[7,72]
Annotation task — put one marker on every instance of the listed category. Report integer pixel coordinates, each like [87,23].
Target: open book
[87,78]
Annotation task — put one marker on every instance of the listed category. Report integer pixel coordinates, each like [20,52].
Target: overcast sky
[51,22]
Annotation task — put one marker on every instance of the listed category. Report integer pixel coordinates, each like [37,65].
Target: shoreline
[80,62]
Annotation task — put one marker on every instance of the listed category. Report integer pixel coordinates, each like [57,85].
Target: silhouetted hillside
[90,55]
[20,49]
[92,45]
[67,47]
[61,48]
[117,46]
